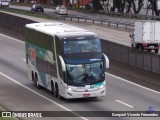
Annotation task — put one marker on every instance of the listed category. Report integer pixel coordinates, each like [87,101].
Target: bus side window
[52,70]
[41,65]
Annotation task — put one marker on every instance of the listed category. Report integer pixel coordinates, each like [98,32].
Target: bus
[66,60]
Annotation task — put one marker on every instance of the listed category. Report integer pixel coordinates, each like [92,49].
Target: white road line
[133,83]
[106,73]
[24,60]
[124,103]
[12,38]
[11,79]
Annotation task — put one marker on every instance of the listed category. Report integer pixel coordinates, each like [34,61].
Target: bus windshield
[81,45]
[83,74]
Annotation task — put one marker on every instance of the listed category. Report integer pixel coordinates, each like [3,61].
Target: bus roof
[57,28]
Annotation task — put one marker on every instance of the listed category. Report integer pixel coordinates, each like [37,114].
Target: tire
[37,82]
[141,47]
[132,46]
[156,50]
[53,91]
[32,76]
[56,91]
[57,95]
[137,46]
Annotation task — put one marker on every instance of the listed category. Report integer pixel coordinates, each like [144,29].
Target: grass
[6,118]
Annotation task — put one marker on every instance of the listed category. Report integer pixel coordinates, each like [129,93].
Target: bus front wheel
[56,91]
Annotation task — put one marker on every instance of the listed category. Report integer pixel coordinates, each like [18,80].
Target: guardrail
[99,20]
[128,15]
[134,57]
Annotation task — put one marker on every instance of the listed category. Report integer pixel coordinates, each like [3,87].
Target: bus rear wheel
[156,50]
[53,90]
[57,95]
[36,82]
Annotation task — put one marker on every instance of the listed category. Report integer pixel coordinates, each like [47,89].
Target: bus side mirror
[62,64]
[106,61]
[101,66]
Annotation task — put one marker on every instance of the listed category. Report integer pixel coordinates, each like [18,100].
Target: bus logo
[32,54]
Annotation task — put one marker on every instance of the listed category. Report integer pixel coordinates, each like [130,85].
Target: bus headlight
[102,86]
[71,89]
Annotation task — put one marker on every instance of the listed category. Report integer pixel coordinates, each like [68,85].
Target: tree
[57,2]
[119,4]
[140,4]
[131,3]
[154,7]
[97,5]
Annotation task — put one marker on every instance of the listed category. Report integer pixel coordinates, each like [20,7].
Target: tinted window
[41,65]
[52,70]
[82,45]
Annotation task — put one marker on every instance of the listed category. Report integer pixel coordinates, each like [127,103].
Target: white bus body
[67,73]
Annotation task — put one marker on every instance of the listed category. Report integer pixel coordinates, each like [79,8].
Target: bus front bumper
[74,94]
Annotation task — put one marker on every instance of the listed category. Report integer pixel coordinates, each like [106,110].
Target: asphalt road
[70,12]
[114,35]
[18,93]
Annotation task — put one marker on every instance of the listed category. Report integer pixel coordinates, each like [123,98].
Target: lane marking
[122,79]
[106,73]
[12,38]
[24,60]
[124,103]
[61,106]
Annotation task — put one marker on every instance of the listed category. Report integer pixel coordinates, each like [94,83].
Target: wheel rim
[57,92]
[53,92]
[37,83]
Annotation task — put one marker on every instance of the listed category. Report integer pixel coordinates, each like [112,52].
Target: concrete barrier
[135,58]
[14,21]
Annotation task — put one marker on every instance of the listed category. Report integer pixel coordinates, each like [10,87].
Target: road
[118,36]
[70,12]
[17,92]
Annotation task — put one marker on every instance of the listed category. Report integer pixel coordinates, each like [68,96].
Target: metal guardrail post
[99,20]
[126,26]
[109,24]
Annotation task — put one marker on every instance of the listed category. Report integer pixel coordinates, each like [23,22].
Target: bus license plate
[86,95]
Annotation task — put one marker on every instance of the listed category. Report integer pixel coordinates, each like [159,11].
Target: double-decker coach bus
[65,60]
